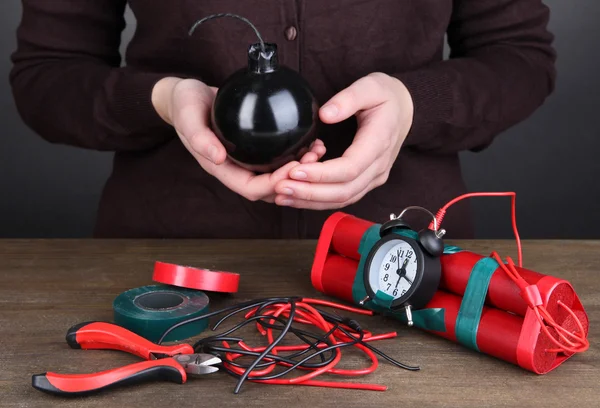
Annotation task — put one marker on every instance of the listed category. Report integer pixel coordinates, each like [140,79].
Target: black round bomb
[265,114]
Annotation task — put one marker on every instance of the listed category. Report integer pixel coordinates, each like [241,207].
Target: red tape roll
[195,278]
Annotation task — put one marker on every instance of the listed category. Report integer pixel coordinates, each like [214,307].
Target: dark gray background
[550,160]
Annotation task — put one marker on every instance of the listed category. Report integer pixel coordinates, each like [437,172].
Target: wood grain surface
[48,285]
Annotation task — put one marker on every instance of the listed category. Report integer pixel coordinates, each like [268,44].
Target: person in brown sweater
[396,113]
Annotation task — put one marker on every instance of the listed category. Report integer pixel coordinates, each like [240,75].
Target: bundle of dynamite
[488,304]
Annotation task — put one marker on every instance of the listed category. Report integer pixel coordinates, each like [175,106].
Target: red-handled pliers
[170,363]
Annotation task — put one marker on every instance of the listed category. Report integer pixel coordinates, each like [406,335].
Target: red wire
[338,306]
[581,343]
[330,384]
[300,347]
[442,212]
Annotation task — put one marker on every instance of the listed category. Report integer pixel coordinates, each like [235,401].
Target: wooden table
[48,285]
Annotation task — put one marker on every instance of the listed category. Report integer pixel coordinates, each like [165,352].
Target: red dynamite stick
[508,328]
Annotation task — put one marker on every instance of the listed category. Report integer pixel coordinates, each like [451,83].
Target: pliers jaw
[198,364]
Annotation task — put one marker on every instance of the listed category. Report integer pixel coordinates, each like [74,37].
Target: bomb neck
[262,62]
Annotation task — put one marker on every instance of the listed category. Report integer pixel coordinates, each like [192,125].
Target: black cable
[287,359]
[274,357]
[380,353]
[247,305]
[297,332]
[241,325]
[268,325]
[241,309]
[300,334]
[269,348]
[296,364]
[284,372]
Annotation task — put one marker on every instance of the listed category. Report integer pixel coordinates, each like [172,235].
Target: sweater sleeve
[500,70]
[68,83]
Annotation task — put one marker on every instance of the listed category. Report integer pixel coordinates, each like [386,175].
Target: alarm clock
[402,270]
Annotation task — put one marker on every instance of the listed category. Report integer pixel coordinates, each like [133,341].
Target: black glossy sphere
[265,114]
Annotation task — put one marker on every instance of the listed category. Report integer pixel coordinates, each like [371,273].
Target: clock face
[394,268]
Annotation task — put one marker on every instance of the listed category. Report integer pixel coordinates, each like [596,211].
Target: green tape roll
[150,310]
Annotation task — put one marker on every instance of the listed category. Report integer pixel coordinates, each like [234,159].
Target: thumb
[192,103]
[365,93]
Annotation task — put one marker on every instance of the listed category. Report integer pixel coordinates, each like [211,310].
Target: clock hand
[409,281]
[399,270]
[402,272]
[398,281]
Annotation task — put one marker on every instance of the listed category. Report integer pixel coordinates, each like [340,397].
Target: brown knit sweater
[71,88]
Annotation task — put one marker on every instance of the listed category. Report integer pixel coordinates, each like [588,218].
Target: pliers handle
[170,363]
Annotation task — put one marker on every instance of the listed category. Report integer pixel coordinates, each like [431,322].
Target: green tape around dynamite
[150,310]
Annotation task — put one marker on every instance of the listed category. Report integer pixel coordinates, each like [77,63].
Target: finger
[365,93]
[317,151]
[191,109]
[372,140]
[330,192]
[286,201]
[309,157]
[318,147]
[244,182]
[317,142]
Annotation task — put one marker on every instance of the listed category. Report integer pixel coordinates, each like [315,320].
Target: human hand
[384,110]
[186,104]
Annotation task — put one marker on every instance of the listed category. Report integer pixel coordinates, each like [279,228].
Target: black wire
[269,348]
[245,20]
[330,317]
[247,305]
[268,325]
[296,364]
[240,325]
[275,357]
[297,332]
[264,304]
[373,349]
[311,345]
[300,334]
[287,359]
[284,372]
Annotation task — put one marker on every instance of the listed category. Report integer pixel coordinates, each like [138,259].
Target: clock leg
[409,315]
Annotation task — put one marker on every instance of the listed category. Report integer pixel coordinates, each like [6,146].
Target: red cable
[338,306]
[532,296]
[442,212]
[330,384]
